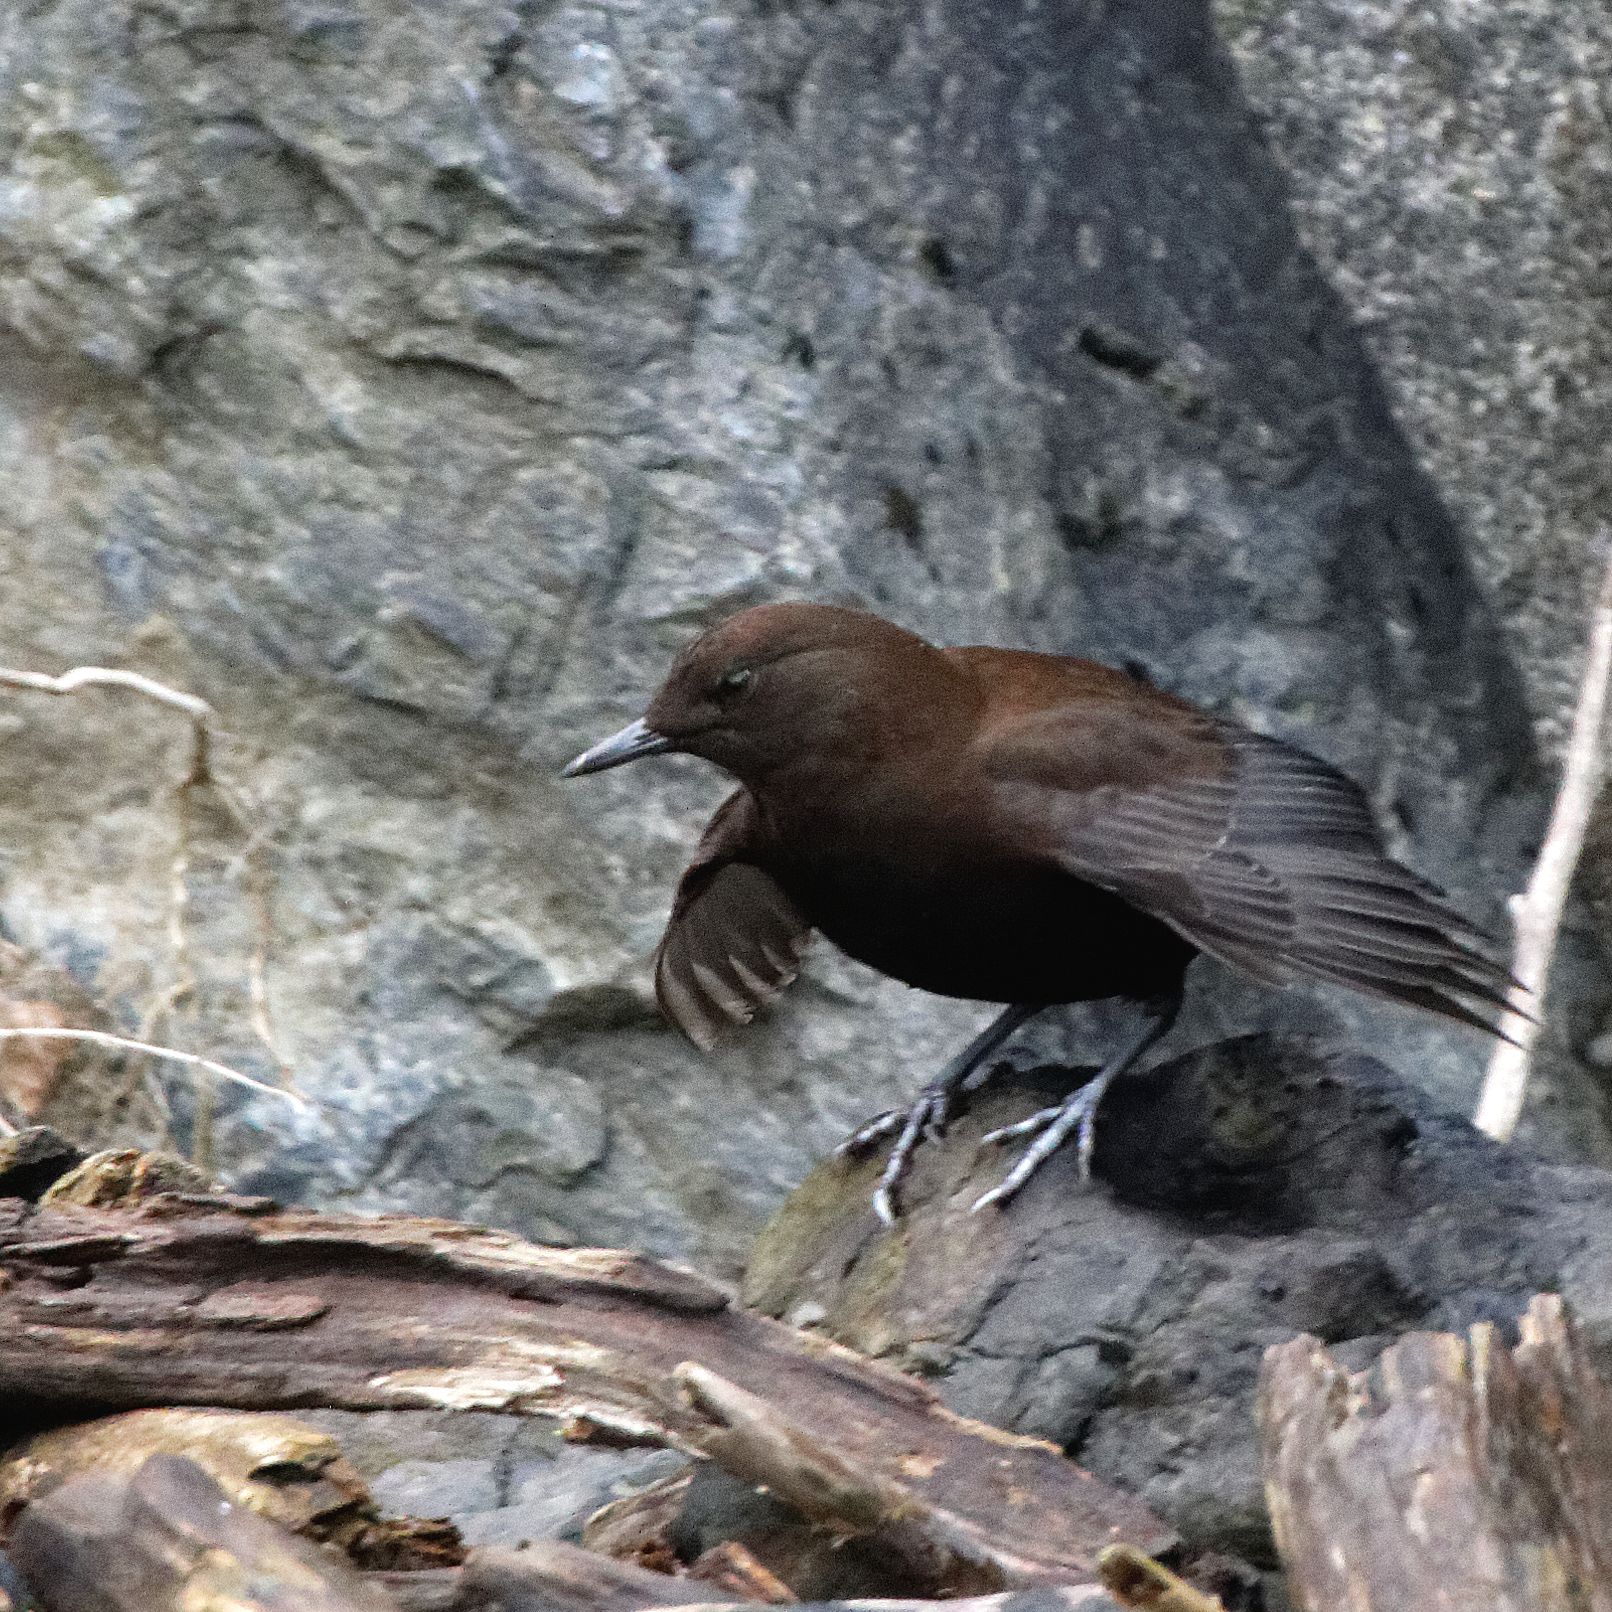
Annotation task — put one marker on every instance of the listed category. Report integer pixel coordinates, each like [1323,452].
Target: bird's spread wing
[1252,850]
[734,939]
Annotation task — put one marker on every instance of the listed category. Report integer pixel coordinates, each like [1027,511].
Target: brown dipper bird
[1019,828]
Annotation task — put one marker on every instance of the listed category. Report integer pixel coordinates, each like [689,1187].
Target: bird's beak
[635,740]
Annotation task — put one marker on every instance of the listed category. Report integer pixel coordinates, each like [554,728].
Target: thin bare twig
[85,676]
[1536,914]
[199,774]
[193,705]
[258,881]
[137,1071]
[102,1038]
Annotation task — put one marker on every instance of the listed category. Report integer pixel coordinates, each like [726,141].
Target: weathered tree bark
[546,1576]
[1137,1581]
[497,1581]
[1453,1476]
[211,1299]
[733,1568]
[275,1465]
[167,1539]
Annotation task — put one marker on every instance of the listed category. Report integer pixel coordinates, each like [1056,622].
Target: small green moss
[825,1243]
[814,1215]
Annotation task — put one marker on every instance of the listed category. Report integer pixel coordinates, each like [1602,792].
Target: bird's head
[771,685]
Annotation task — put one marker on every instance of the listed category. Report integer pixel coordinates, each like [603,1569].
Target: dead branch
[759,1443]
[736,1570]
[1537,913]
[238,1450]
[277,1466]
[1456,1475]
[210,1299]
[551,1576]
[765,1446]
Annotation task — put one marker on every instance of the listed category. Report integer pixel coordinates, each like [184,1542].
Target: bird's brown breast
[991,933]
[906,859]
[932,896]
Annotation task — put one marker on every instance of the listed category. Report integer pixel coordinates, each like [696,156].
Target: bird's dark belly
[992,934]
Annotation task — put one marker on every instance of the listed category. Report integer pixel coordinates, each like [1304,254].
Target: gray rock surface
[412,379]
[502,1480]
[1450,166]
[1251,1191]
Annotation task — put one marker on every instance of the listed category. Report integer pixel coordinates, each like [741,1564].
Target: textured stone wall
[1451,170]
[412,377]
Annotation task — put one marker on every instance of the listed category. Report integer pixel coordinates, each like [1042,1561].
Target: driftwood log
[204,1298]
[561,1578]
[273,1464]
[1456,1475]
[1137,1581]
[496,1581]
[564,1578]
[164,1536]
[167,1537]
[547,1576]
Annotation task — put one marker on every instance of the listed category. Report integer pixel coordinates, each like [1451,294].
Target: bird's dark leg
[1078,1111]
[966,1072]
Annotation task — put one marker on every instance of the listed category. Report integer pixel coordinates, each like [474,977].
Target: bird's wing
[1257,853]
[734,939]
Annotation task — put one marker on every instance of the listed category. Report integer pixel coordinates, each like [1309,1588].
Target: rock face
[1448,166]
[413,378]
[1449,169]
[1245,1193]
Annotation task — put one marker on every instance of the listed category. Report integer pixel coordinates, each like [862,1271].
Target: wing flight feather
[1263,856]
[734,939]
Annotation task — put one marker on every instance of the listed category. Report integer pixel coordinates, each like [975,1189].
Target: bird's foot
[967,1072]
[934,1102]
[1051,1128]
[926,1118]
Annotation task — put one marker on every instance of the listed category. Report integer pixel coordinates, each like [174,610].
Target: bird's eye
[732,684]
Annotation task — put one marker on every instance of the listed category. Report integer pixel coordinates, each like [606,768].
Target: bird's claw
[1051,1128]
[1038,1121]
[925,1120]
[865,1136]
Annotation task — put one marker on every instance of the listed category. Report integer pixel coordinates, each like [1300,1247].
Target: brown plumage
[1017,828]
